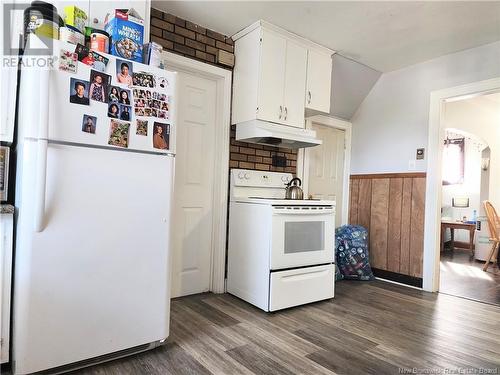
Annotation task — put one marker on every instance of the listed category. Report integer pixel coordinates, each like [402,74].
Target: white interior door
[326,167]
[193,194]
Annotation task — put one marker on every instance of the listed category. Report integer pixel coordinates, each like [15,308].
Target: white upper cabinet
[295,83]
[270,76]
[319,80]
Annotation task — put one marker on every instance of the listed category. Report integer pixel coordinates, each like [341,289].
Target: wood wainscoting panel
[379,222]
[404,262]
[417,227]
[364,203]
[391,208]
[394,225]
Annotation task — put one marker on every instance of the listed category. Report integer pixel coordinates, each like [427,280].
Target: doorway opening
[463,173]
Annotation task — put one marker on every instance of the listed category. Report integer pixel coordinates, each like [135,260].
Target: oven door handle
[283,212]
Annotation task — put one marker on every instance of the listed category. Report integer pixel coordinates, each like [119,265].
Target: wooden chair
[494,226]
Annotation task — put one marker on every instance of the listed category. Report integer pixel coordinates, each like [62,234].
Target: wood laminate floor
[369,328]
[464,277]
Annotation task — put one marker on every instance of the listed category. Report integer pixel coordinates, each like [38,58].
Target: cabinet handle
[286,113]
[281,112]
[309,97]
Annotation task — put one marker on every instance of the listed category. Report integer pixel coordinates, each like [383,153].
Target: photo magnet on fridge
[99,86]
[141,127]
[114,110]
[124,71]
[143,79]
[124,96]
[114,94]
[119,133]
[100,62]
[79,91]
[125,112]
[68,61]
[82,52]
[161,135]
[89,123]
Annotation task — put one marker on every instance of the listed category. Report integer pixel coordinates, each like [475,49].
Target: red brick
[205,40]
[247,150]
[262,167]
[234,149]
[229,41]
[156,13]
[262,153]
[267,160]
[169,17]
[233,164]
[196,28]
[239,157]
[196,45]
[210,58]
[156,31]
[257,159]
[216,35]
[185,32]
[162,24]
[224,46]
[212,50]
[180,22]
[173,37]
[183,49]
[246,165]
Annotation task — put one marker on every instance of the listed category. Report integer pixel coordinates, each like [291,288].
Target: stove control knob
[287,178]
[283,178]
[241,175]
[247,176]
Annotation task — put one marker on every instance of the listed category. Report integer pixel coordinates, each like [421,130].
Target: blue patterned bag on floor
[351,252]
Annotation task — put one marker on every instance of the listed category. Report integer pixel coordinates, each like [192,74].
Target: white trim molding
[223,79]
[432,228]
[303,164]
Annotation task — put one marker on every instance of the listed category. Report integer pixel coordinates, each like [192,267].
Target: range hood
[270,134]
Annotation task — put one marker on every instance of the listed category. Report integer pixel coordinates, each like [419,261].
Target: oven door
[302,236]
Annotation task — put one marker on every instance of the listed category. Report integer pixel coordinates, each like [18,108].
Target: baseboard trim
[398,277]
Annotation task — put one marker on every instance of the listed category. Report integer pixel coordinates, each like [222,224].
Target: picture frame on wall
[4,172]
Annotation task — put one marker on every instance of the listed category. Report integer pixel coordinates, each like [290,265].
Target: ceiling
[383,35]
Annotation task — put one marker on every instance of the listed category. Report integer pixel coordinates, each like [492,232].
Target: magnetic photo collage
[130,97]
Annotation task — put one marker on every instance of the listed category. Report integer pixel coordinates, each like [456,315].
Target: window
[453,161]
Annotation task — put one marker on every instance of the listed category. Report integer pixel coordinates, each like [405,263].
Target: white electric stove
[280,251]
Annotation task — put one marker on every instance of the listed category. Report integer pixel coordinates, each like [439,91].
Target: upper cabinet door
[319,81]
[295,83]
[272,77]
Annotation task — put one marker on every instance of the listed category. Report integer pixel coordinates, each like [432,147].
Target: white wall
[392,122]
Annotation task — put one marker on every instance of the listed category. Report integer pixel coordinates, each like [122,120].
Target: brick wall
[251,156]
[188,39]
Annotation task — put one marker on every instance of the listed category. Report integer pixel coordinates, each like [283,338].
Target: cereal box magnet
[126,29]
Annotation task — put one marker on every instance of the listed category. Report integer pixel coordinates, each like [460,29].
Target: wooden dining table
[453,225]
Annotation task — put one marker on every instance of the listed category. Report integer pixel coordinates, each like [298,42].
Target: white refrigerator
[91,276]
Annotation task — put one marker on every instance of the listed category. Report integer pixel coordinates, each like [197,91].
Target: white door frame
[432,229]
[223,79]
[303,164]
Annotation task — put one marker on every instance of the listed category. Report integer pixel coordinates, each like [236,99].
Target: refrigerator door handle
[41,154]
